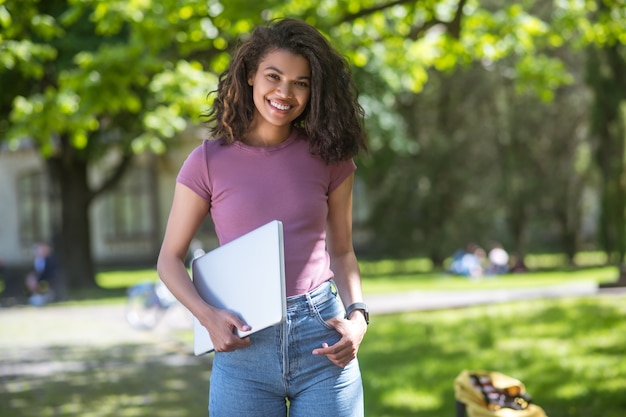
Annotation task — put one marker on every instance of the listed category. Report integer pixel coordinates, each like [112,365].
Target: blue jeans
[279,366]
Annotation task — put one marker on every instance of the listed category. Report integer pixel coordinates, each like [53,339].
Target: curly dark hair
[333,118]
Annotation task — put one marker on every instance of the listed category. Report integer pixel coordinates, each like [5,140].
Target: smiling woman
[286,124]
[281,93]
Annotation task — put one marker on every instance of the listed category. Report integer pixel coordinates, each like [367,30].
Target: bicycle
[146,304]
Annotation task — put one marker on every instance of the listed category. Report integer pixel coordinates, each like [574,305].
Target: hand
[352,332]
[222,327]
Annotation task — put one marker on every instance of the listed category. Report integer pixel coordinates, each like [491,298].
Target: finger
[333,321]
[324,350]
[243,327]
[233,342]
[237,324]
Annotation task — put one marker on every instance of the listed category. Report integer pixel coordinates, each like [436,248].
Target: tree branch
[115,177]
[371,10]
[453,27]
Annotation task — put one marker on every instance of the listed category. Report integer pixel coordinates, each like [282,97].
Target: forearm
[347,277]
[174,275]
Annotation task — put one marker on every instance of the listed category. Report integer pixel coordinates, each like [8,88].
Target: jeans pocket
[327,310]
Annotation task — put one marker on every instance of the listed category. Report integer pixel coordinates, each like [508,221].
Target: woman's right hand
[222,326]
[187,213]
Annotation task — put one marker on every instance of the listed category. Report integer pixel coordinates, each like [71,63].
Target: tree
[91,77]
[87,78]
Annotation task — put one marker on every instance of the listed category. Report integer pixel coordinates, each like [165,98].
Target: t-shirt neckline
[266,149]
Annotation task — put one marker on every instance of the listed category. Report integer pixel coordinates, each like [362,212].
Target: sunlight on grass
[550,260]
[386,276]
[394,266]
[409,399]
[569,353]
[570,390]
[386,283]
[119,279]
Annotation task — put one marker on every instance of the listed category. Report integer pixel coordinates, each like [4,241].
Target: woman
[287,124]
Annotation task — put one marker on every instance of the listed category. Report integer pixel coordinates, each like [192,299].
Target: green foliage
[84,77]
[119,51]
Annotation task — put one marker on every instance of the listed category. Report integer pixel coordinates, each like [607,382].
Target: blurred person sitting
[469,262]
[498,260]
[39,281]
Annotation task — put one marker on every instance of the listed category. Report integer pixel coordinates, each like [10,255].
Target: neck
[266,136]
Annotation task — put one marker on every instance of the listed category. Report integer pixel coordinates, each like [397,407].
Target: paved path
[104,325]
[87,325]
[433,300]
[31,338]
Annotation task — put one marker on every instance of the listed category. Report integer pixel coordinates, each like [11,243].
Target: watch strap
[358,306]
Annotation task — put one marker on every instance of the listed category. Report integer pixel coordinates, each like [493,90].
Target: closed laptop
[245,276]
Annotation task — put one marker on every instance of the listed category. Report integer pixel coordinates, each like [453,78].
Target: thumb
[240,324]
[333,322]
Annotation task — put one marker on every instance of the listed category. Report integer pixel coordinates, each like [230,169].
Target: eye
[273,76]
[302,84]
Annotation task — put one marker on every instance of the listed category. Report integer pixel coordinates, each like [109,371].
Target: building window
[130,209]
[34,208]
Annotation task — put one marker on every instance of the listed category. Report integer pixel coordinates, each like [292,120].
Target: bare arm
[347,276]
[187,213]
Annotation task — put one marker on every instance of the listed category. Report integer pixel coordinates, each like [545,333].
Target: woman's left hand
[352,332]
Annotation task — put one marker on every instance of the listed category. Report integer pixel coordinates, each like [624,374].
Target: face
[281,88]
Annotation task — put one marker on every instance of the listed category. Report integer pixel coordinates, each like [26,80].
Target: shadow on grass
[569,353]
[126,380]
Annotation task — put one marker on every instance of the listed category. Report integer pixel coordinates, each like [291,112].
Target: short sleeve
[339,172]
[194,172]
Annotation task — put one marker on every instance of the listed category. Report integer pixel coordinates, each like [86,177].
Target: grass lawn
[382,277]
[568,352]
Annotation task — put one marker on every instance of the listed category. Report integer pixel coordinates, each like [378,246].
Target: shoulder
[205,150]
[211,146]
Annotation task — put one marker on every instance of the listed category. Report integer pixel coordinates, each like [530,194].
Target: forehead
[286,62]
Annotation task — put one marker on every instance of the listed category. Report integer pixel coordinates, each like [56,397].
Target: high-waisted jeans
[279,366]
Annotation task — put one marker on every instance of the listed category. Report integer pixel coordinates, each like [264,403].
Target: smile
[282,107]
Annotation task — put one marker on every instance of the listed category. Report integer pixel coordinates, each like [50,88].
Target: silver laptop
[245,276]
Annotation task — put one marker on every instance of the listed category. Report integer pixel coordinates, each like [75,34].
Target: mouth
[279,106]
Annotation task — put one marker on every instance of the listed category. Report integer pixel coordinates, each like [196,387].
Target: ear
[250,80]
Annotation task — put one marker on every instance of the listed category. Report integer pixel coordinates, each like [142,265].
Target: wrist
[360,308]
[356,314]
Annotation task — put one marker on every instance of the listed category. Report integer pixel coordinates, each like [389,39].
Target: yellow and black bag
[492,394]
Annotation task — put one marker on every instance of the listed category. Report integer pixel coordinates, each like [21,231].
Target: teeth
[279,106]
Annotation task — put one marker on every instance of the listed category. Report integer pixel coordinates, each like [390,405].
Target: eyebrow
[302,77]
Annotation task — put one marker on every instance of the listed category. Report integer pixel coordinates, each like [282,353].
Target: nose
[284,90]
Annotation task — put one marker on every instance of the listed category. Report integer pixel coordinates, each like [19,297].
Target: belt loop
[309,302]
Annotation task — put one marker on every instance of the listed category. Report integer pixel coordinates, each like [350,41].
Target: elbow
[165,264]
[160,266]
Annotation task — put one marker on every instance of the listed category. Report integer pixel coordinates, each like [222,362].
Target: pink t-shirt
[249,186]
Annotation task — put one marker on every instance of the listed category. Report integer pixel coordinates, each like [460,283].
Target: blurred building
[127,222]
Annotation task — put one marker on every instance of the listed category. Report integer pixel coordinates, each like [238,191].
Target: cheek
[304,97]
[258,96]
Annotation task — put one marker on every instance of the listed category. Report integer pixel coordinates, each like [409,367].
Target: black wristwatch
[359,306]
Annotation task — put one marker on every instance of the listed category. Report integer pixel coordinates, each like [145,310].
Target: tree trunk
[607,79]
[69,171]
